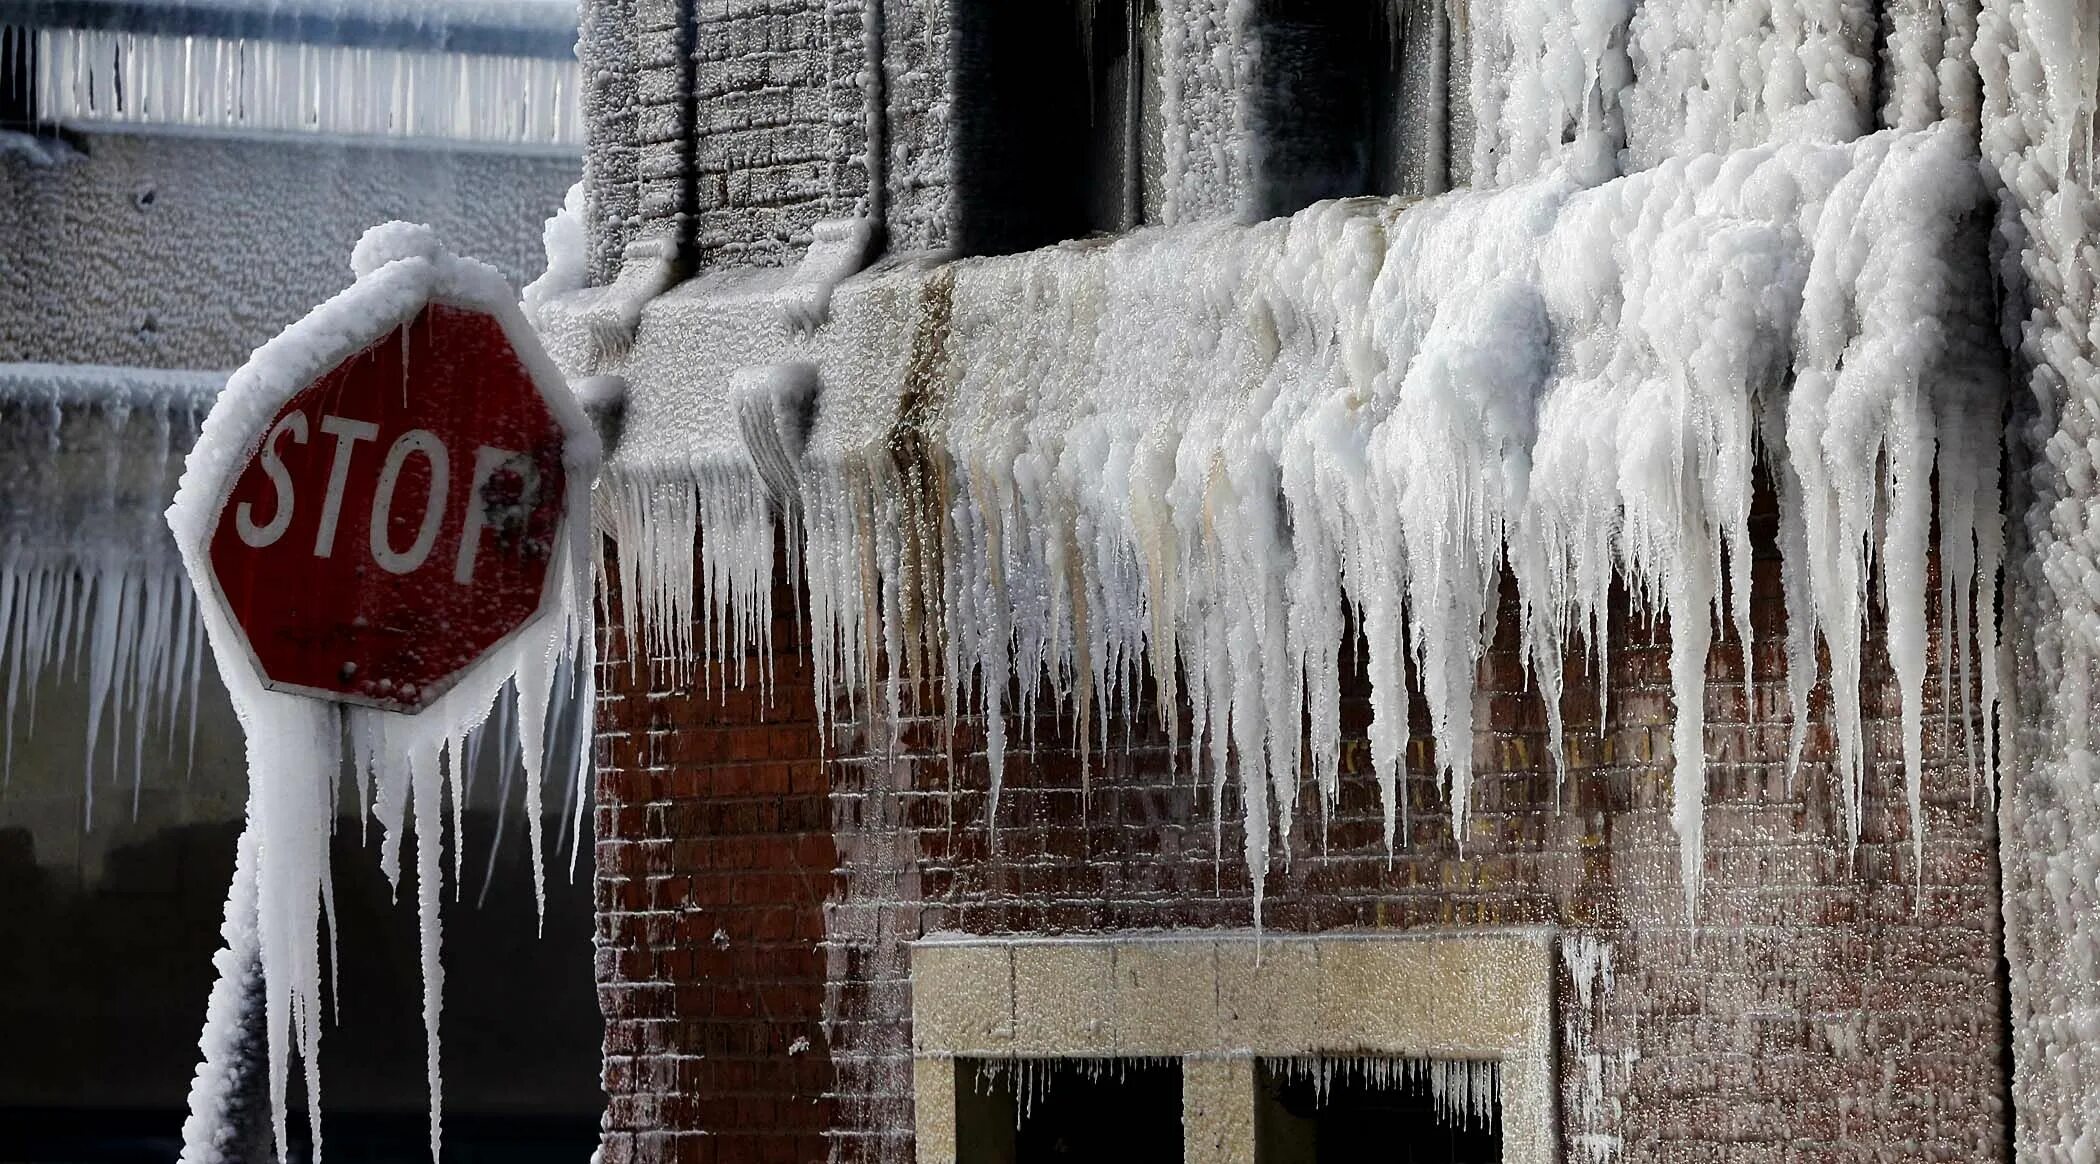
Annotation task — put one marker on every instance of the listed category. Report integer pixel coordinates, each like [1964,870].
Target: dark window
[1048,123]
[17,77]
[1347,100]
[1375,1111]
[1040,1111]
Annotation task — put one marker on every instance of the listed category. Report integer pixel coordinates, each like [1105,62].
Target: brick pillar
[715,856]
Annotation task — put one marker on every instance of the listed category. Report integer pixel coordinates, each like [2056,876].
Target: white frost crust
[2041,84]
[1616,86]
[298,747]
[1202,453]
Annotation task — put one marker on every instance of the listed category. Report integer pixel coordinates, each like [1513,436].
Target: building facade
[901,855]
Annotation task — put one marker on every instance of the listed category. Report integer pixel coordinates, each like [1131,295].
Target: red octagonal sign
[398,518]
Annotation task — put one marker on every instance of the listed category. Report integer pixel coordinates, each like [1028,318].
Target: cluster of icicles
[94,76]
[1463,1093]
[90,589]
[1205,453]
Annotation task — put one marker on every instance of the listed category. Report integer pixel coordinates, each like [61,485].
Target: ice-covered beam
[522,28]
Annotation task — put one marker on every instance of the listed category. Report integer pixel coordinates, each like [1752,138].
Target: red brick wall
[1823,1010]
[715,857]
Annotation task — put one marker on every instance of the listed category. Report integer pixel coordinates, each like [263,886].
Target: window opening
[1383,1110]
[1348,100]
[1041,1111]
[1050,119]
[17,77]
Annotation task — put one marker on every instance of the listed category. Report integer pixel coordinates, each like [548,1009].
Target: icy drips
[90,76]
[90,584]
[1464,1093]
[402,766]
[1587,960]
[1204,454]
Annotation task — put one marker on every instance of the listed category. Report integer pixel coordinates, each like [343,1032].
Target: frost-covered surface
[401,764]
[89,580]
[140,248]
[1203,453]
[2041,70]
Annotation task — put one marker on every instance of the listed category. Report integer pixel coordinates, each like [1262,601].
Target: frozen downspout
[875,96]
[1133,114]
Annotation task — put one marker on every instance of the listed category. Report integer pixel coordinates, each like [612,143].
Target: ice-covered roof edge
[505,27]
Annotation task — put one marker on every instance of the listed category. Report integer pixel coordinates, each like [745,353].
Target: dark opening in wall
[1393,1111]
[1095,1111]
[1048,120]
[1347,100]
[17,77]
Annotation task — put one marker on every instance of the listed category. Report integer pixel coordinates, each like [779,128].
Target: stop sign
[399,515]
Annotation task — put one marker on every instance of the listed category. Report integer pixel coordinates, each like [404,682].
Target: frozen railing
[462,70]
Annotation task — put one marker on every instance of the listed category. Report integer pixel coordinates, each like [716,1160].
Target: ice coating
[2041,80]
[298,747]
[1206,453]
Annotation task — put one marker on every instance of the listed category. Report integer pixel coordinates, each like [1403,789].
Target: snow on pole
[385,518]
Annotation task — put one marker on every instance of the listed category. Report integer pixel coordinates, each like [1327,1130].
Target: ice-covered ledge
[1220,1000]
[1190,450]
[692,340]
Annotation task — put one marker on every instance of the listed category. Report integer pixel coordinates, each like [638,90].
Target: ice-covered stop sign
[399,515]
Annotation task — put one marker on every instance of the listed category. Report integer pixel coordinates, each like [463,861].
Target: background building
[163,210]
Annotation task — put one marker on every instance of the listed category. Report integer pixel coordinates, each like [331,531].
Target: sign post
[386,521]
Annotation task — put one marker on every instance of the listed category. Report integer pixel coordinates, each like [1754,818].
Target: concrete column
[1217,1111]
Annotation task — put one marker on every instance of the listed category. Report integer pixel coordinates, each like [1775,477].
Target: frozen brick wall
[780,141]
[180,250]
[663,116]
[915,149]
[605,48]
[714,859]
[1827,1006]
[729,126]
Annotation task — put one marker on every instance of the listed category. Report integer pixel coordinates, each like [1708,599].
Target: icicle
[1207,451]
[88,578]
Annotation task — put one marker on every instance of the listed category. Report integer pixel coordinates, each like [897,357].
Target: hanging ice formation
[1463,1093]
[1201,452]
[398,70]
[90,585]
[402,767]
